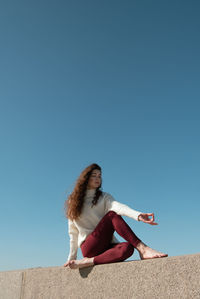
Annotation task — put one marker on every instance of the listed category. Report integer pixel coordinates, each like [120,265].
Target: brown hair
[74,203]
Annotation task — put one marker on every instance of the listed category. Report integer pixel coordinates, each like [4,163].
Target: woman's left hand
[144,217]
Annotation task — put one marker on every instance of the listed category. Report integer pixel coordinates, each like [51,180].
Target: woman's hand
[66,264]
[144,217]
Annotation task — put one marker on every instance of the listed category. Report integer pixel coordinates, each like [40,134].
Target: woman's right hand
[66,264]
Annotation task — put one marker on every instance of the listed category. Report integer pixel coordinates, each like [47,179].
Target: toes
[163,255]
[72,264]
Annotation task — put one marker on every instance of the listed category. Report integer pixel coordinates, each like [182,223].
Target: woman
[93,216]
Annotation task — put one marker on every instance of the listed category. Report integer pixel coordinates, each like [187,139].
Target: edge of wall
[169,277]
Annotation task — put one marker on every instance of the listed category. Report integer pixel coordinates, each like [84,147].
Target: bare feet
[146,252]
[85,262]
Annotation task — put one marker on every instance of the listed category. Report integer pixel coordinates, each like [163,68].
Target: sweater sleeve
[119,208]
[73,235]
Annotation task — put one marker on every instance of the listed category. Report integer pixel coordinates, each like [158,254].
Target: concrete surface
[171,277]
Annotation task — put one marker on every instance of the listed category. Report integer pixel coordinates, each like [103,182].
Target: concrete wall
[171,277]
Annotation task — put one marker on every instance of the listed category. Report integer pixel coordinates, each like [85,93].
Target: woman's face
[94,180]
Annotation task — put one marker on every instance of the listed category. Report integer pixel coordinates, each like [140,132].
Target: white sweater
[80,228]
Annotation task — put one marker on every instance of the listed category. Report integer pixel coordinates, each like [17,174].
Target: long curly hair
[74,203]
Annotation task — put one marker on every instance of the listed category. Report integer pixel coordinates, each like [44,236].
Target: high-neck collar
[90,192]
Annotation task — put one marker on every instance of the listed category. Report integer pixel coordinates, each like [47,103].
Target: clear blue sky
[108,82]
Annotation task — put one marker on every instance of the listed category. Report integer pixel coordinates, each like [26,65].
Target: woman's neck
[90,192]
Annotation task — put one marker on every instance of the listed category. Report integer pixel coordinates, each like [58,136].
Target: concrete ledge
[171,277]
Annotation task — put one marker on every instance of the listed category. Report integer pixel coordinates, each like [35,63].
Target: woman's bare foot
[146,252]
[85,262]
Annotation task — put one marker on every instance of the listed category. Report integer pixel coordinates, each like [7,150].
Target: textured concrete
[10,284]
[171,277]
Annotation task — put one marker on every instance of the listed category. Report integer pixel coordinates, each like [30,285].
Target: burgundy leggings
[98,243]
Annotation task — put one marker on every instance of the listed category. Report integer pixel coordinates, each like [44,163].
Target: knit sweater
[80,228]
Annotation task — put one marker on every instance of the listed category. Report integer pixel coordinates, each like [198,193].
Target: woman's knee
[111,213]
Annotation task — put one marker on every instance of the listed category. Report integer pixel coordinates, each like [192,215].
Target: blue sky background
[108,82]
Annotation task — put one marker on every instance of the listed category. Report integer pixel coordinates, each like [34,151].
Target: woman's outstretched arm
[124,210]
[112,205]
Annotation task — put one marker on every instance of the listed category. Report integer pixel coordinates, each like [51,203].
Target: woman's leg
[98,249]
[100,239]
[117,253]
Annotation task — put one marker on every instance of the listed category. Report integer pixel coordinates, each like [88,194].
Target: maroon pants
[98,243]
